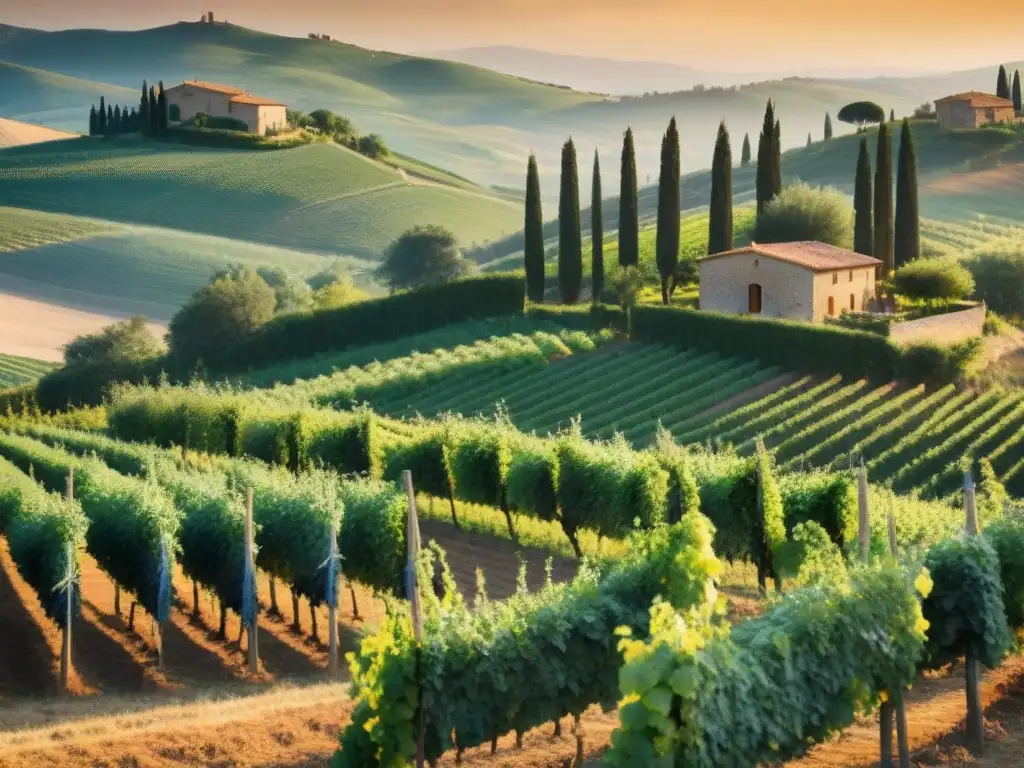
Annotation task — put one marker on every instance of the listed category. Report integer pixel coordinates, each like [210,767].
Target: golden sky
[724,35]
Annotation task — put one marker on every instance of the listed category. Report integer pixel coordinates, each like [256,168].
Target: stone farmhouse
[973,109]
[799,281]
[194,97]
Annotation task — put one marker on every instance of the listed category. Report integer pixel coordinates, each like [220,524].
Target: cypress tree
[133,121]
[907,231]
[745,152]
[570,249]
[144,111]
[117,119]
[596,234]
[863,238]
[1002,84]
[154,113]
[101,123]
[720,216]
[1018,105]
[629,221]
[828,126]
[765,159]
[892,115]
[776,160]
[667,236]
[533,231]
[161,105]
[808,139]
[883,201]
[93,124]
[111,128]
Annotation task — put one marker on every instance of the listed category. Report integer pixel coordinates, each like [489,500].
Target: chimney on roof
[209,15]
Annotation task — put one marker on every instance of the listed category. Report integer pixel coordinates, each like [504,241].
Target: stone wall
[941,329]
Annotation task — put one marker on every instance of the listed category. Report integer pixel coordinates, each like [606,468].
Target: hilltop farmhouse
[194,97]
[798,281]
[973,109]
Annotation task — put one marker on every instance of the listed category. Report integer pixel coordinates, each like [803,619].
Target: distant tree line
[150,119]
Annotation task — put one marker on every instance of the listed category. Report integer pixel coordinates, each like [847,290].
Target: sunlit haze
[834,38]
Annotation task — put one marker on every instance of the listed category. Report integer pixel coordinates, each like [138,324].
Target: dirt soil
[205,710]
[16,134]
[36,329]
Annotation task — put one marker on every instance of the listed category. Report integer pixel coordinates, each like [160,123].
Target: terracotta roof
[246,98]
[818,257]
[977,100]
[215,87]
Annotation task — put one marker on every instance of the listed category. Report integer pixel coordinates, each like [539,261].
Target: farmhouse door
[831,306]
[754,299]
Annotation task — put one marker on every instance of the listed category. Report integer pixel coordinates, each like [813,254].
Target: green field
[37,96]
[18,370]
[322,197]
[101,266]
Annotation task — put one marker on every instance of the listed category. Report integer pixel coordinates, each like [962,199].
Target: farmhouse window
[835,278]
[851,275]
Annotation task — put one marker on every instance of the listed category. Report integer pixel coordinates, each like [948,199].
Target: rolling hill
[321,198]
[473,121]
[37,96]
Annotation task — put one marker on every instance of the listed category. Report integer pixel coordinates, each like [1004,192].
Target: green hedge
[377,320]
[42,529]
[811,347]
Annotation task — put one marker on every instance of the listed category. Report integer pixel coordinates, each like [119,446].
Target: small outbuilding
[800,281]
[973,109]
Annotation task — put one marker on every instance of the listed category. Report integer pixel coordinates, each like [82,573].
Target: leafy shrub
[346,442]
[423,255]
[998,271]
[802,212]
[938,279]
[372,146]
[221,315]
[125,342]
[965,608]
[814,661]
[220,123]
[929,363]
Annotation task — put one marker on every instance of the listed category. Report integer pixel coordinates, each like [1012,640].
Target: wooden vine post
[69,591]
[332,602]
[250,581]
[893,707]
[762,571]
[412,592]
[975,717]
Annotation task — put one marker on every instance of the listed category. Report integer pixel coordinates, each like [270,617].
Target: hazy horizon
[797,36]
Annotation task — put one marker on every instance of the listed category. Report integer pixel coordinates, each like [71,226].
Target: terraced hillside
[321,198]
[18,370]
[909,437]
